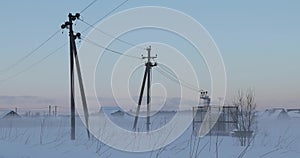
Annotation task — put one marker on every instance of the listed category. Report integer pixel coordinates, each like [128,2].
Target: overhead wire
[176,80]
[30,53]
[22,59]
[184,83]
[174,76]
[111,36]
[56,50]
[107,14]
[164,71]
[34,64]
[33,51]
[88,6]
[108,49]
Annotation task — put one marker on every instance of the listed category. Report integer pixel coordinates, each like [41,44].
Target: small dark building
[118,113]
[10,114]
[283,115]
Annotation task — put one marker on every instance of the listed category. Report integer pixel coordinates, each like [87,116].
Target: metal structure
[205,97]
[73,56]
[225,123]
[147,77]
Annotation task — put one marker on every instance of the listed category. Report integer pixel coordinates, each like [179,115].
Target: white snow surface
[49,137]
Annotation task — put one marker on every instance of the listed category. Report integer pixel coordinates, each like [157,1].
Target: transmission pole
[147,76]
[73,55]
[149,65]
[49,113]
[69,25]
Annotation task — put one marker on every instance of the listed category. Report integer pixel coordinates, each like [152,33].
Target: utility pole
[55,110]
[49,110]
[69,25]
[73,55]
[147,77]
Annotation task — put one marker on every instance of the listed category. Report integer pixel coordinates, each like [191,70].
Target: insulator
[63,26]
[77,15]
[78,35]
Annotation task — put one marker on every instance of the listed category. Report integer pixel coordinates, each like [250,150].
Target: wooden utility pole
[147,77]
[69,25]
[55,110]
[49,113]
[73,55]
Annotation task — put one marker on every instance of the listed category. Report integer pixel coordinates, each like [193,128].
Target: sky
[258,40]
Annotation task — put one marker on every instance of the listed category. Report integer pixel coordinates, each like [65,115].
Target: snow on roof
[272,113]
[294,113]
[283,115]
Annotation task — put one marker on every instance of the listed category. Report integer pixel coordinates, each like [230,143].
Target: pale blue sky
[259,42]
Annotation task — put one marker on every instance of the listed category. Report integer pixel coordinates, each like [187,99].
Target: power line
[30,53]
[39,46]
[53,35]
[34,64]
[109,35]
[89,5]
[110,50]
[167,76]
[114,9]
[107,14]
[184,83]
[56,50]
[174,76]
[176,80]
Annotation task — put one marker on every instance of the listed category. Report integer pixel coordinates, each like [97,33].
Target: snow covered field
[45,137]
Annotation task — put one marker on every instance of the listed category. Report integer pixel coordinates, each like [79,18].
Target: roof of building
[9,114]
[119,112]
